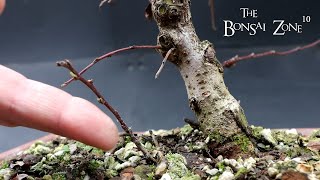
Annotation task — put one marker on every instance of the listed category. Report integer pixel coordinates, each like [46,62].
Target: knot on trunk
[170,12]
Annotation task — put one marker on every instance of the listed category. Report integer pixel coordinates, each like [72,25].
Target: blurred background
[275,92]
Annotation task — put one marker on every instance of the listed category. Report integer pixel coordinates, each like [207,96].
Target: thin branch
[212,12]
[231,62]
[163,63]
[154,139]
[101,99]
[109,55]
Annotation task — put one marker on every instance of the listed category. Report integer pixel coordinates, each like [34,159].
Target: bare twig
[101,99]
[229,63]
[163,63]
[154,139]
[109,55]
[212,12]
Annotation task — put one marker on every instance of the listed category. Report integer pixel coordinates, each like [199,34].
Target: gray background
[276,92]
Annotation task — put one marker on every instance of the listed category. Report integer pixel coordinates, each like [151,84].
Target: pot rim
[9,154]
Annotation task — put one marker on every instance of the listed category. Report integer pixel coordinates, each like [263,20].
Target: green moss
[110,164]
[240,172]
[298,151]
[191,176]
[47,177]
[150,176]
[95,164]
[84,146]
[40,149]
[149,146]
[186,130]
[220,166]
[4,165]
[242,141]
[216,136]
[59,176]
[145,171]
[97,152]
[177,167]
[110,173]
[127,139]
[39,166]
[256,131]
[168,2]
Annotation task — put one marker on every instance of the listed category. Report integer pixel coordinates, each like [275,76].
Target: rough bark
[218,112]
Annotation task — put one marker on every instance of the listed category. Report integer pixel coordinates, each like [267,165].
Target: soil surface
[181,153]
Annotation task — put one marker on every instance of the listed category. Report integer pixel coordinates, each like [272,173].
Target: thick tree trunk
[219,113]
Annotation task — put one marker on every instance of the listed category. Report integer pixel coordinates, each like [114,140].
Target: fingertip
[88,124]
[111,134]
[2,5]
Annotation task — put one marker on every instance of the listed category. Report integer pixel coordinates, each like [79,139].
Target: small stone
[206,167]
[73,148]
[59,153]
[279,176]
[317,166]
[207,140]
[226,175]
[266,133]
[119,151]
[234,163]
[298,160]
[249,163]
[304,168]
[287,159]
[292,131]
[87,177]
[134,159]
[161,168]
[122,166]
[272,172]
[6,173]
[212,172]
[166,176]
[312,177]
[136,177]
[127,173]
[226,162]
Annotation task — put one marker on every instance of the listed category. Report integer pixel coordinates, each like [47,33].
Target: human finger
[24,102]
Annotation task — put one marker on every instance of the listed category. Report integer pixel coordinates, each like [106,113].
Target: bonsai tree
[218,114]
[219,117]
